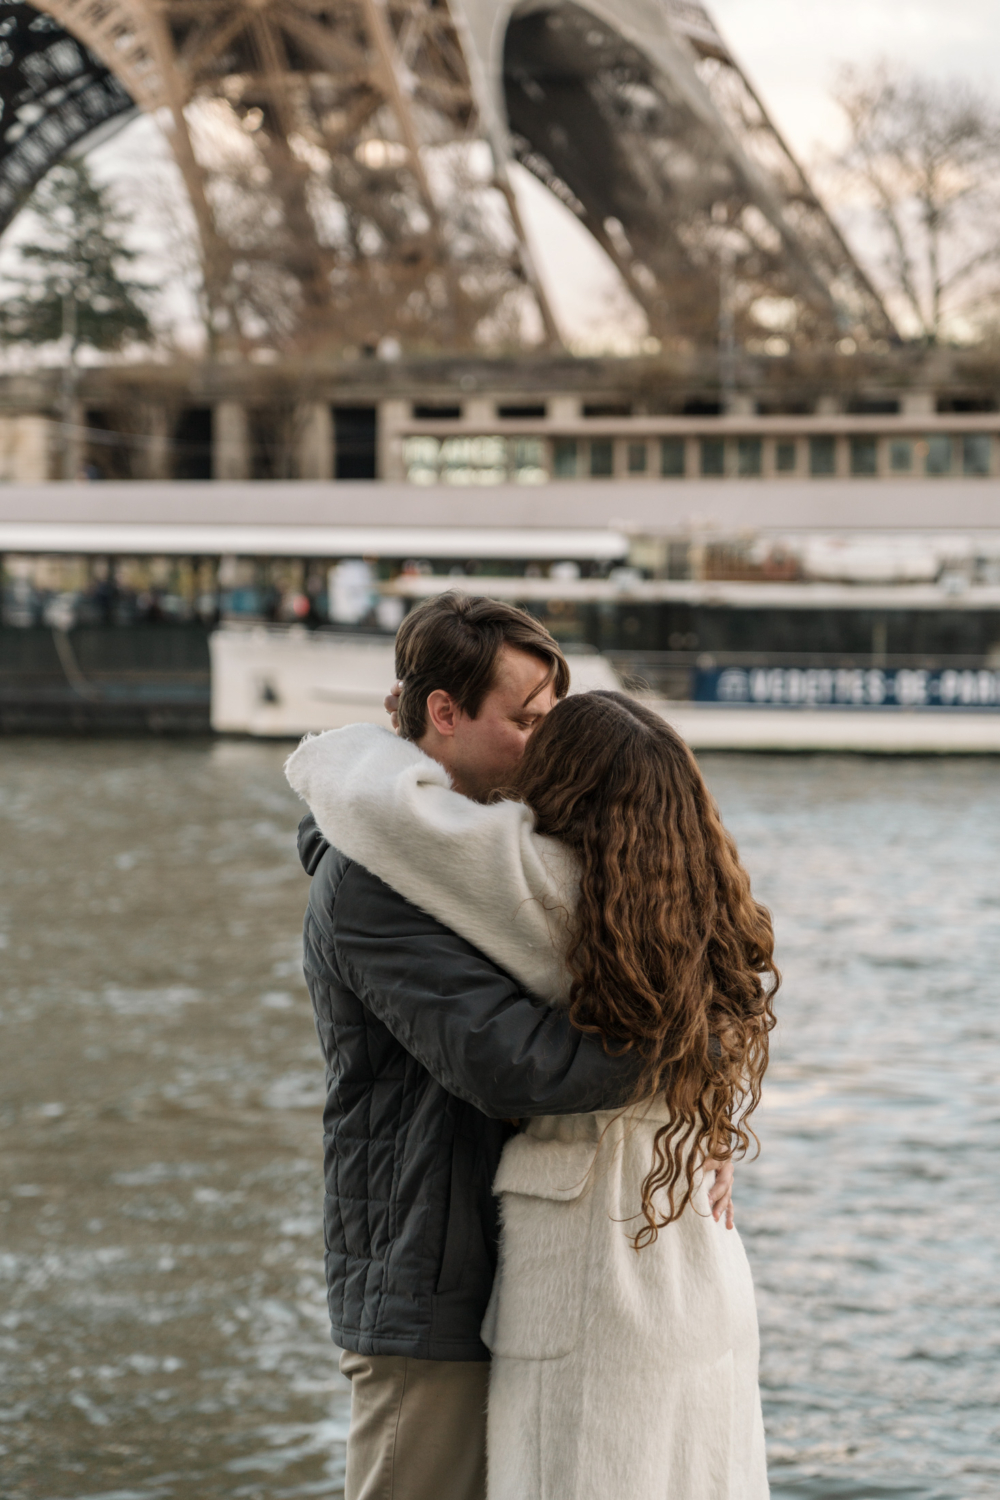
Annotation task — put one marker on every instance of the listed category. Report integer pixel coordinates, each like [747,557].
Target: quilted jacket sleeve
[471,1025]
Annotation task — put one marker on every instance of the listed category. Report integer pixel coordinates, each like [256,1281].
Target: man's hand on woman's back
[391,701]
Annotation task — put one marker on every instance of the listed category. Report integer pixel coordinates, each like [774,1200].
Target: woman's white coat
[617,1374]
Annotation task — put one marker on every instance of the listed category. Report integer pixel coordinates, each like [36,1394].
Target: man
[431,1052]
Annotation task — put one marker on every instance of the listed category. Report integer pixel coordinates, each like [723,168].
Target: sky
[790,49]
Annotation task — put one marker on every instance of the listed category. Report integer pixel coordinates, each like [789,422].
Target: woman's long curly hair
[670,955]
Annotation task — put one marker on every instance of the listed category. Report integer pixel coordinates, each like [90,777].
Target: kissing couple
[543,991]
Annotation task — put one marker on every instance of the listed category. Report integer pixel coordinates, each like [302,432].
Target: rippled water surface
[162,1319]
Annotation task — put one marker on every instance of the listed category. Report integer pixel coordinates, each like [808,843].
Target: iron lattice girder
[53,93]
[333,85]
[637,117]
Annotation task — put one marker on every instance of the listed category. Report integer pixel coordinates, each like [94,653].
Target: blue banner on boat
[849,687]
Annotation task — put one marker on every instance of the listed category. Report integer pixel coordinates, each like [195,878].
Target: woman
[622,1326]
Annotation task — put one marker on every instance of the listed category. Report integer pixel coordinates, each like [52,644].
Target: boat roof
[287,510]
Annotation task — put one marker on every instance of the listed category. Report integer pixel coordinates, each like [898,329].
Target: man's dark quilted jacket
[430,1049]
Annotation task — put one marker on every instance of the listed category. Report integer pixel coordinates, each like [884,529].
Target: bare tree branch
[924,156]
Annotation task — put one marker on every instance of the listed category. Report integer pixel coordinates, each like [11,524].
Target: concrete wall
[314,432]
[28,445]
[230,441]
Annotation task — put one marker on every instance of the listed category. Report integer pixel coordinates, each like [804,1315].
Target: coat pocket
[540,1289]
[454,1258]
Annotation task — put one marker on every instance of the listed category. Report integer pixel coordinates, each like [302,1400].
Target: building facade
[525,420]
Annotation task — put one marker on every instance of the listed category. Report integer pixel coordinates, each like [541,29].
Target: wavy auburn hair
[670,956]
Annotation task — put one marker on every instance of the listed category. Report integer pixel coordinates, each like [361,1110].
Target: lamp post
[69,382]
[727,324]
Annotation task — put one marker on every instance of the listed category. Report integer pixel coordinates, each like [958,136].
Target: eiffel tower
[349,162]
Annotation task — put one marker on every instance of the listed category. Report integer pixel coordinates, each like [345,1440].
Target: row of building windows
[698,406]
[714,457]
[530,460]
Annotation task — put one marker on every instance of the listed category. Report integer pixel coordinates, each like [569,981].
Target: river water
[162,1318]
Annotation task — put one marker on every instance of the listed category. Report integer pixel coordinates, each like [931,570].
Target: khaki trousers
[418,1428]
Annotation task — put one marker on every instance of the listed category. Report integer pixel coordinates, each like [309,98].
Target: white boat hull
[278,683]
[865,731]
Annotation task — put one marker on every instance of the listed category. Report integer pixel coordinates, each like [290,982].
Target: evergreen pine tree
[73,279]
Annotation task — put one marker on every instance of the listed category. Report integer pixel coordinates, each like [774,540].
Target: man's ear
[442,712]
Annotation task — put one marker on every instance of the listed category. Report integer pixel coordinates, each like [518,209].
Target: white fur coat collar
[481,870]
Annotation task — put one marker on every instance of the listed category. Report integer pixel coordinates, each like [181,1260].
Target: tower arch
[356,181]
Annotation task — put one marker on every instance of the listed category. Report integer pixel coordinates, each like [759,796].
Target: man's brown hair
[452,644]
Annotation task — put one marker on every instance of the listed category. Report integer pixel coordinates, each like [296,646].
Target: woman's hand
[391,701]
[720,1194]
